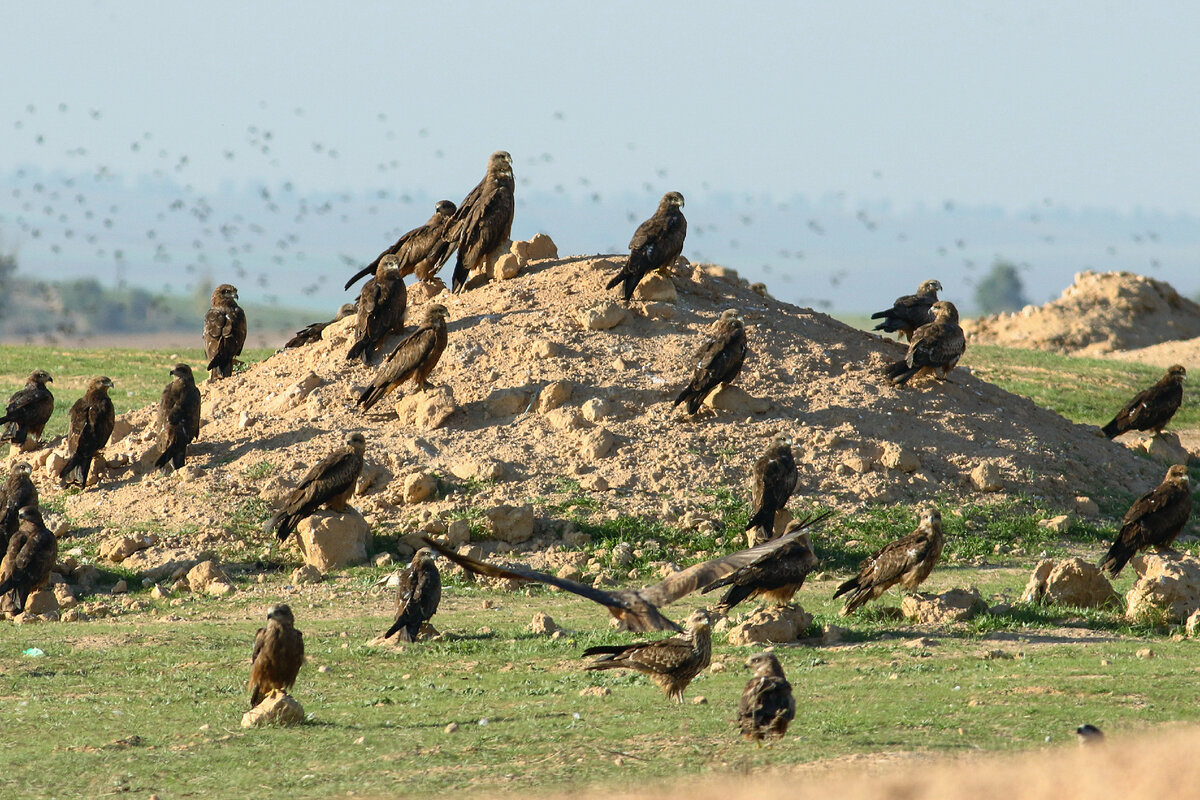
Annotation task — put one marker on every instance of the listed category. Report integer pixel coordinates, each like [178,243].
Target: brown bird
[381,306]
[31,554]
[910,311]
[719,360]
[670,663]
[178,418]
[19,491]
[935,347]
[776,576]
[330,483]
[29,409]
[481,226]
[1154,520]
[767,705]
[224,332]
[637,609]
[422,251]
[1151,409]
[775,477]
[414,357]
[656,243]
[278,655]
[312,333]
[906,561]
[417,596]
[91,423]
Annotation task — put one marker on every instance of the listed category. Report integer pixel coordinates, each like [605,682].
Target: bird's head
[424,557]
[700,619]
[183,372]
[101,383]
[500,163]
[224,293]
[389,266]
[1178,473]
[764,664]
[446,208]
[437,313]
[929,288]
[1177,372]
[22,468]
[673,199]
[943,310]
[930,516]
[31,514]
[40,376]
[781,440]
[357,441]
[282,614]
[345,310]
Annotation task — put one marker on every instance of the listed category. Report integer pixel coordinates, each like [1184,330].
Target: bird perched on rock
[91,424]
[775,576]
[19,491]
[1151,409]
[381,306]
[767,705]
[417,596]
[1089,735]
[656,243]
[31,554]
[719,360]
[178,418]
[224,331]
[413,357]
[329,483]
[421,251]
[670,663]
[278,655]
[775,477]
[481,226]
[907,561]
[312,333]
[29,409]
[935,346]
[1154,520]
[910,311]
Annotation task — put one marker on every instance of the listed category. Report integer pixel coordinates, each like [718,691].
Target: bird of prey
[1154,520]
[719,360]
[775,477]
[421,251]
[417,596]
[381,306]
[91,423]
[907,561]
[1150,409]
[1089,735]
[312,333]
[329,483]
[31,554]
[671,663]
[19,491]
[656,243]
[910,311]
[224,331]
[482,224]
[776,576]
[767,705]
[414,357]
[29,409]
[278,655]
[935,346]
[637,609]
[178,417]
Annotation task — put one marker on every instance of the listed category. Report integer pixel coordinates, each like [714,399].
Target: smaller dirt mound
[1099,313]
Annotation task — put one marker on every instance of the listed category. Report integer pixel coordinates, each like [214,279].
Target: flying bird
[1154,520]
[329,483]
[910,311]
[481,226]
[422,251]
[91,424]
[414,357]
[671,663]
[719,360]
[29,409]
[19,491]
[656,243]
[224,331]
[776,576]
[417,596]
[31,555]
[1151,409]
[907,561]
[312,333]
[767,705]
[178,418]
[935,347]
[278,655]
[381,306]
[775,477]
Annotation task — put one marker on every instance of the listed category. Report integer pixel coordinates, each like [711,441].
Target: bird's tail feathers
[763,518]
[900,372]
[846,587]
[1117,557]
[1111,430]
[362,273]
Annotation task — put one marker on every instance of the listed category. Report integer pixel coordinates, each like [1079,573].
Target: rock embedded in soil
[602,317]
[428,410]
[736,400]
[778,624]
[956,605]
[656,288]
[511,524]
[118,548]
[986,477]
[1167,588]
[332,540]
[1069,582]
[277,709]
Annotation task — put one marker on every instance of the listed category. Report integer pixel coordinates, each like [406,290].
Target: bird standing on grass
[29,409]
[671,663]
[767,705]
[907,561]
[417,596]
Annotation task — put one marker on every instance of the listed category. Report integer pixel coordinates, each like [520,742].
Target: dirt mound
[1186,352]
[1099,313]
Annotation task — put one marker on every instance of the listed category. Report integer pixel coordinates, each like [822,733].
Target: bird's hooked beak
[107,383]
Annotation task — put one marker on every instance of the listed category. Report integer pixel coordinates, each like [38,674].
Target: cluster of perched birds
[773,568]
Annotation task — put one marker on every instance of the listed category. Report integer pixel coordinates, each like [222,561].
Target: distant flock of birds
[478,230]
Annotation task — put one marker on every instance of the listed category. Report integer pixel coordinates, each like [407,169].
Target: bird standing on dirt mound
[767,705]
[656,243]
[482,224]
[330,483]
[312,333]
[719,360]
[935,346]
[1151,409]
[31,554]
[422,250]
[1154,520]
[278,655]
[29,409]
[775,576]
[19,491]
[413,357]
[91,423]
[178,418]
[910,311]
[417,596]
[670,663]
[775,477]
[224,331]
[907,561]
[381,306]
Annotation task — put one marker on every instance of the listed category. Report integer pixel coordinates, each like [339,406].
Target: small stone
[542,624]
[542,348]
[331,540]
[201,577]
[307,574]
[539,247]
[656,287]
[427,410]
[451,728]
[506,267]
[277,709]
[771,624]
[554,395]
[595,691]
[507,402]
[602,317]
[899,458]
[1060,524]
[956,605]
[512,524]
[596,444]
[833,634]
[736,400]
[418,487]
[986,477]
[294,395]
[244,420]
[157,592]
[1193,624]
[41,602]
[699,700]
[593,483]
[1086,507]
[596,409]
[458,532]
[120,587]
[659,310]
[1145,652]
[383,560]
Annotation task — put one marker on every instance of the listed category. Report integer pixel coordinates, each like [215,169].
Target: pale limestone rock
[512,524]
[986,477]
[307,574]
[157,563]
[596,444]
[735,399]
[542,624]
[593,483]
[566,419]
[554,395]
[43,601]
[1168,587]
[458,532]
[295,394]
[507,402]
[276,708]
[956,605]
[1165,447]
[660,310]
[419,486]
[1070,582]
[602,317]
[1193,624]
[544,348]
[778,624]
[657,288]
[539,247]
[899,458]
[596,409]
[506,267]
[330,540]
[423,291]
[118,548]
[1060,524]
[427,410]
[200,577]
[1086,507]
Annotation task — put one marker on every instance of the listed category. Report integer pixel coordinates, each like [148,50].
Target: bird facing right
[671,663]
[1152,408]
[907,561]
[1154,520]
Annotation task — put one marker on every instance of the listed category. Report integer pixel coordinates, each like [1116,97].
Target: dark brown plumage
[767,705]
[414,357]
[417,596]
[422,251]
[312,333]
[330,483]
[656,243]
[910,311]
[907,561]
[29,409]
[1154,520]
[719,360]
[776,576]
[775,477]
[19,491]
[671,663]
[178,418]
[31,554]
[1151,409]
[381,306]
[935,347]
[224,331]
[483,222]
[91,423]
[278,655]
